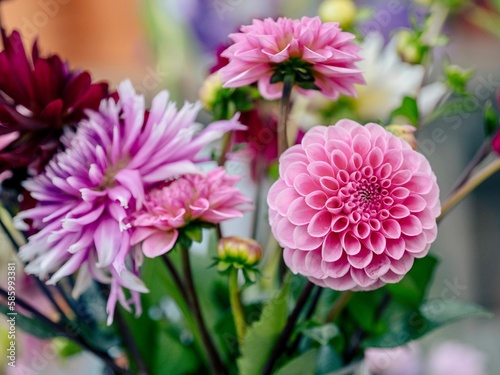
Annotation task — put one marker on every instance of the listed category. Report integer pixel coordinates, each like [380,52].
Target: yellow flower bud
[405,132]
[209,89]
[341,11]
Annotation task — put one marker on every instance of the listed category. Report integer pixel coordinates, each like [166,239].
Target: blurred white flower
[389,80]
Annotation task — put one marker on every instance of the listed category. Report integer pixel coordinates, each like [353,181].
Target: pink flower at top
[354,206]
[210,198]
[321,50]
[86,192]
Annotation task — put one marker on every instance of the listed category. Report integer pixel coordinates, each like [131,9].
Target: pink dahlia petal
[86,192]
[159,243]
[354,205]
[210,198]
[267,45]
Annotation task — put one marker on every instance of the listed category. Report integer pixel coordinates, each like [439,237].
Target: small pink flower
[354,205]
[191,198]
[321,50]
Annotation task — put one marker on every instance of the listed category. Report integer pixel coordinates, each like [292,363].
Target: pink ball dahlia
[320,53]
[86,192]
[354,206]
[193,198]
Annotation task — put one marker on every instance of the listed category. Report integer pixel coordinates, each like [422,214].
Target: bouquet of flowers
[124,216]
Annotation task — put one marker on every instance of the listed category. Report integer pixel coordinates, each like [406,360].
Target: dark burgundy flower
[38,97]
[221,62]
[260,138]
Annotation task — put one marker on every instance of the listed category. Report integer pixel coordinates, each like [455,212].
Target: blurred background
[170,44]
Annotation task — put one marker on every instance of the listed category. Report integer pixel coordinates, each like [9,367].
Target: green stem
[281,343]
[469,186]
[480,155]
[226,140]
[226,143]
[214,361]
[182,300]
[236,306]
[339,305]
[439,14]
[284,112]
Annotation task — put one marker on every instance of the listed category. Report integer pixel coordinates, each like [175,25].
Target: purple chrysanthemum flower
[84,194]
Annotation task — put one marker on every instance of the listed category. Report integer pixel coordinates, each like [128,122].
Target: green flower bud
[238,252]
[410,48]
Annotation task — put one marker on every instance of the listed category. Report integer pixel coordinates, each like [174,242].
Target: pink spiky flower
[192,198]
[86,192]
[354,206]
[321,55]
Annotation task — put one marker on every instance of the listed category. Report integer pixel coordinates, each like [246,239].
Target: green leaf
[263,334]
[32,326]
[408,110]
[307,85]
[304,364]
[412,289]
[322,334]
[173,357]
[491,120]
[409,324]
[66,348]
[496,4]
[274,172]
[328,360]
[102,338]
[362,309]
[277,77]
[194,232]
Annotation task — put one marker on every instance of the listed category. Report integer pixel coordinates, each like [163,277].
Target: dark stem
[338,306]
[65,331]
[309,313]
[46,292]
[129,342]
[176,277]
[359,334]
[78,309]
[258,199]
[288,330]
[480,155]
[219,231]
[214,361]
[284,112]
[39,283]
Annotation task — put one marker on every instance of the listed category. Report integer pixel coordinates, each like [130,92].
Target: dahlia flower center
[367,195]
